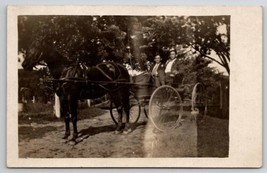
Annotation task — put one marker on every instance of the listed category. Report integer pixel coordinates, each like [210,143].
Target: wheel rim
[134,112]
[199,100]
[165,108]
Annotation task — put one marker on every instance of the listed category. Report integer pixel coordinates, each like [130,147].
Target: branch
[221,58]
[212,59]
[224,63]
[227,55]
[207,56]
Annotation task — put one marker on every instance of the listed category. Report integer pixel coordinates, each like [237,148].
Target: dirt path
[97,140]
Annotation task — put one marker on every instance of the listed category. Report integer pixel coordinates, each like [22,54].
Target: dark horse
[73,82]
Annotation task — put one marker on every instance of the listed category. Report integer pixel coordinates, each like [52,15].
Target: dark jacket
[159,79]
[175,76]
[175,66]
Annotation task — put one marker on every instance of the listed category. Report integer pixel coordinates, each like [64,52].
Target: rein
[101,83]
[80,80]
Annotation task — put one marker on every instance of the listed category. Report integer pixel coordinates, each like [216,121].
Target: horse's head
[33,56]
[43,53]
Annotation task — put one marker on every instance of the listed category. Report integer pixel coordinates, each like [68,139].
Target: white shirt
[169,66]
[134,72]
[155,69]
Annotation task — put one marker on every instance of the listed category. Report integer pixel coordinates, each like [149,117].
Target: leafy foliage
[201,35]
[92,39]
[211,34]
[34,81]
[76,37]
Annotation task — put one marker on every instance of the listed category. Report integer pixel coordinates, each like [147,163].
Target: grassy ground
[212,134]
[43,113]
[213,137]
[36,113]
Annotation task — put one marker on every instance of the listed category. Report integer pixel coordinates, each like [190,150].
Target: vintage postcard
[134,86]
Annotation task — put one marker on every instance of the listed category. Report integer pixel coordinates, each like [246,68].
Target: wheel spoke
[164,108]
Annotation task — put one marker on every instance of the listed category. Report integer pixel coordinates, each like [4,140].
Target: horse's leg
[119,109]
[74,116]
[64,113]
[126,106]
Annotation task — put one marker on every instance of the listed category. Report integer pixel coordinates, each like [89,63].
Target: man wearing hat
[157,72]
[172,75]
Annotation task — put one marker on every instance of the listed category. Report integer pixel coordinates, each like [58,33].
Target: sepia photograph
[123,86]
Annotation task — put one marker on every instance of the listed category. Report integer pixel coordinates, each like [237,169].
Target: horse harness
[73,74]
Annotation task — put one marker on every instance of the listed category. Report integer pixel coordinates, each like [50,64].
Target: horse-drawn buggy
[163,106]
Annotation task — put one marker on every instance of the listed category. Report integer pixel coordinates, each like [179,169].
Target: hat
[172,50]
[179,49]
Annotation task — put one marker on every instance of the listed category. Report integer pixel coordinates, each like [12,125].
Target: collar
[171,60]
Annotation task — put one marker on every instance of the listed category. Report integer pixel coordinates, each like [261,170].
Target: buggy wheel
[165,108]
[134,112]
[146,110]
[199,102]
[145,106]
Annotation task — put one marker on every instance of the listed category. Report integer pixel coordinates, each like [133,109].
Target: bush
[37,108]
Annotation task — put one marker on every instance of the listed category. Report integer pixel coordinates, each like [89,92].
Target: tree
[210,34]
[202,35]
[92,39]
[88,38]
